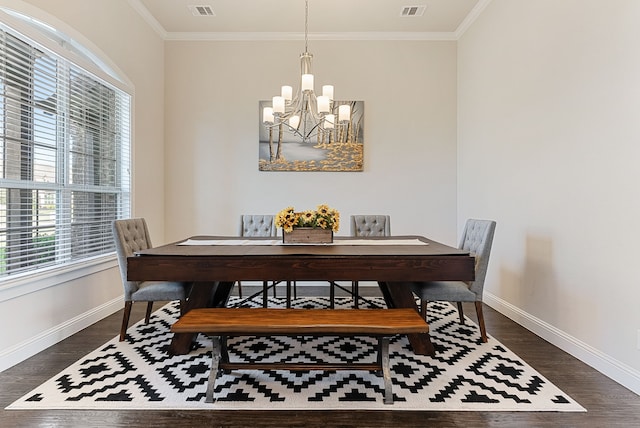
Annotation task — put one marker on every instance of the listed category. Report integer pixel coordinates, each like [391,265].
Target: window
[64,158]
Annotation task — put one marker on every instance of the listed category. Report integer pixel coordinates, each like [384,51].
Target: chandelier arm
[296,104]
[313,109]
[307,134]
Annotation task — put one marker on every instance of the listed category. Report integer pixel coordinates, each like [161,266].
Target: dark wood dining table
[213,268]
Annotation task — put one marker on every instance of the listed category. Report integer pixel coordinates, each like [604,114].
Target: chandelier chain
[306,25]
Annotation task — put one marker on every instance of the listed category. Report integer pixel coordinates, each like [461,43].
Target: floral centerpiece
[308,226]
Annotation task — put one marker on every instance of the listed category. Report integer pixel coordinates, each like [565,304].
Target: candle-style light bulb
[344,113]
[287,92]
[329,121]
[278,105]
[267,115]
[307,83]
[323,104]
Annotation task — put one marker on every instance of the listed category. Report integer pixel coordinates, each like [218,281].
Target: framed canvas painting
[313,145]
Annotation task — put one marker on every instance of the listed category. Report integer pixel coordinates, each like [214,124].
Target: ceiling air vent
[413,10]
[204,10]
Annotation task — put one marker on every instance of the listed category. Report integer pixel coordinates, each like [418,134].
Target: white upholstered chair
[132,235]
[477,238]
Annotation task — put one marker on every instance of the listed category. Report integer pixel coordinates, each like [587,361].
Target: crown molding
[471,18]
[280,36]
[149,19]
[275,36]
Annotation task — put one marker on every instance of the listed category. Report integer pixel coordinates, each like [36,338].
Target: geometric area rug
[465,374]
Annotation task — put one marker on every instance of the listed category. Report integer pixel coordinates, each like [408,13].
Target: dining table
[214,263]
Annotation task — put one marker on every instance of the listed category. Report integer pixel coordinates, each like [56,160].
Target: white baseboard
[28,348]
[610,367]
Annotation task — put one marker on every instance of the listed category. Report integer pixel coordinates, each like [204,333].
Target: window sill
[12,288]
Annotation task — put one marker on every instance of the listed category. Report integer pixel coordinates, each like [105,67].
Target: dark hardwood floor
[608,404]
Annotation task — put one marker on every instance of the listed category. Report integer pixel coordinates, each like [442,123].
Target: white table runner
[206,242]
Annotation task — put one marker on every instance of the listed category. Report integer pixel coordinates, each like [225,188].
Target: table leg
[202,295]
[399,295]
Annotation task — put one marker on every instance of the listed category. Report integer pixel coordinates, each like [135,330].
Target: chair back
[370,225]
[257,225]
[130,235]
[477,238]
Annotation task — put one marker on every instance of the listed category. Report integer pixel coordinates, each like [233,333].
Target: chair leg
[265,290]
[354,293]
[460,312]
[483,330]
[125,319]
[182,305]
[423,309]
[239,289]
[332,294]
[274,289]
[148,314]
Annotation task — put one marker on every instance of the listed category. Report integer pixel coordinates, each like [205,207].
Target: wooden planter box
[308,235]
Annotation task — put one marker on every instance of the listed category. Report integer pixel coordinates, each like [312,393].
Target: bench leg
[224,350]
[386,371]
[215,360]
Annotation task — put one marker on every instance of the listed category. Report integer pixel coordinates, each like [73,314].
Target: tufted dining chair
[131,235]
[257,225]
[477,238]
[370,225]
[263,225]
[364,225]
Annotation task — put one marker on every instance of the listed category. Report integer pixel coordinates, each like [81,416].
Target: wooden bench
[222,322]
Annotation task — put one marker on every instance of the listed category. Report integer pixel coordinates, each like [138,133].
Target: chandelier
[306,115]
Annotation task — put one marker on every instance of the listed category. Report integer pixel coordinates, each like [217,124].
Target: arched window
[64,155]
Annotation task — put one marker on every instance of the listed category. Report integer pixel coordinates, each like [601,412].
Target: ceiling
[328,19]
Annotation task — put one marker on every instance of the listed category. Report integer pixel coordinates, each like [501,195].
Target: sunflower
[323,217]
[307,219]
[286,219]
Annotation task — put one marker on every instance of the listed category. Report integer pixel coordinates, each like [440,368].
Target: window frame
[82,54]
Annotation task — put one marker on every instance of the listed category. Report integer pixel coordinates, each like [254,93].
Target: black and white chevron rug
[465,374]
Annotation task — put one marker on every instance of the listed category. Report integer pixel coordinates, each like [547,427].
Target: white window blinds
[64,158]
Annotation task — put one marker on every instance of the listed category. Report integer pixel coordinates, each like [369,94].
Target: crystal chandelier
[306,115]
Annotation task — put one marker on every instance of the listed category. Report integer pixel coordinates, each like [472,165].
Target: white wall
[212,94]
[549,143]
[43,310]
